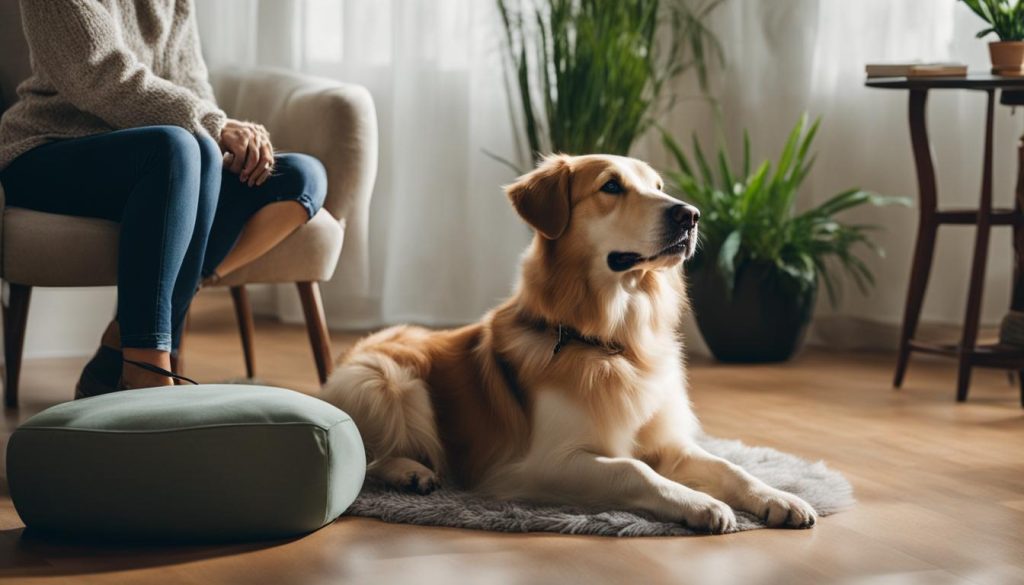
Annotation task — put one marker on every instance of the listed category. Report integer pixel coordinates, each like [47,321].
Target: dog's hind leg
[391,406]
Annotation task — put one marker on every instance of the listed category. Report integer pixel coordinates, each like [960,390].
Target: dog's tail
[390,404]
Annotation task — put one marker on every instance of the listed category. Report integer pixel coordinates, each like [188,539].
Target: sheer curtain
[443,239]
[444,242]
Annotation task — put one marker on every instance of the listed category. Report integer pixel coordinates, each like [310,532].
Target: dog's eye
[612,187]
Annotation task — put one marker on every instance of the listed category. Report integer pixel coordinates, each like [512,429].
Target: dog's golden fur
[492,407]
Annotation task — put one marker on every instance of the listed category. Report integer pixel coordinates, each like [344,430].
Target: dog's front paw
[406,474]
[707,514]
[420,483]
[779,508]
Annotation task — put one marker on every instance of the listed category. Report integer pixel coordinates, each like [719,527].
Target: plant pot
[765,318]
[1007,57]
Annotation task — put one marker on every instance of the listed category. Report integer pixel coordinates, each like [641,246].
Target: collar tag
[563,338]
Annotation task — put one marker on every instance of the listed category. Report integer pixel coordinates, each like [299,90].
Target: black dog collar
[565,334]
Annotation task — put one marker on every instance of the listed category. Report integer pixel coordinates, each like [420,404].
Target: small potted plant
[754,279]
[1006,19]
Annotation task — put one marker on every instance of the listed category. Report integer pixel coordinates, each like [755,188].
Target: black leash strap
[161,371]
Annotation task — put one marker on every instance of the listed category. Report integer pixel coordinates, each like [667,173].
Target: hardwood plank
[939,487]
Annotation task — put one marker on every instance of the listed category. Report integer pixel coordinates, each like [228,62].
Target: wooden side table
[968,352]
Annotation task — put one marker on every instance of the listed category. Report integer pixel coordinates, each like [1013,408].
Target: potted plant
[588,76]
[754,280]
[1006,19]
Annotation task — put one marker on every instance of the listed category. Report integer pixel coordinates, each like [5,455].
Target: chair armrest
[335,122]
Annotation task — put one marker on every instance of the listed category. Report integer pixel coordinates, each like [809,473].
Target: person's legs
[252,220]
[189,274]
[149,179]
[191,268]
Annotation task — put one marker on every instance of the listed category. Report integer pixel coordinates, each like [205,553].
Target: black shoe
[102,375]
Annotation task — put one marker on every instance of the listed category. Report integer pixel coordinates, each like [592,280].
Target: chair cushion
[213,462]
[85,253]
[48,249]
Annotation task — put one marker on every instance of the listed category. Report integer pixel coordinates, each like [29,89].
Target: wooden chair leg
[316,324]
[246,328]
[15,314]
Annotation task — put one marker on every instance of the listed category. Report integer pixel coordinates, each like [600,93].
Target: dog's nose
[682,215]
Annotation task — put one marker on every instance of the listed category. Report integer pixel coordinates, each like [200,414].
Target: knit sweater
[103,65]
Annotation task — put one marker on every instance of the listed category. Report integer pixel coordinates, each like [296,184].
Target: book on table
[916,69]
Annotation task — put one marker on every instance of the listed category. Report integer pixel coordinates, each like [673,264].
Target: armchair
[333,121]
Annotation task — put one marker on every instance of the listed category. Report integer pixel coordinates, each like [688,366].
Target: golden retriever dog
[573,390]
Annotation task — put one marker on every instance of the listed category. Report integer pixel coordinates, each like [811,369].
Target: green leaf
[511,165]
[788,150]
[727,257]
[676,151]
[723,167]
[702,163]
[807,140]
[755,182]
[1006,20]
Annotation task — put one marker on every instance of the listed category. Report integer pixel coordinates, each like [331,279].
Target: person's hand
[247,151]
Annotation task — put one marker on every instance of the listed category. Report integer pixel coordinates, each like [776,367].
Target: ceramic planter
[1007,57]
[763,320]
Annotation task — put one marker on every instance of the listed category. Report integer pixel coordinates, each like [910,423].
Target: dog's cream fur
[491,407]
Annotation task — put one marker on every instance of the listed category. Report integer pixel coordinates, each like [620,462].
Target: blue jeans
[180,211]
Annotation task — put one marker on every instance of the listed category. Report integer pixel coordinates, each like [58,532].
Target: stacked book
[916,69]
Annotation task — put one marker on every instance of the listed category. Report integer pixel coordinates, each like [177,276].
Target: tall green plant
[1005,17]
[589,75]
[748,215]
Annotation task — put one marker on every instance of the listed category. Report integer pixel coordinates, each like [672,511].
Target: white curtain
[443,239]
[444,242]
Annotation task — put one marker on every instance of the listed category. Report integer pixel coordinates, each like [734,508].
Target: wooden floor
[940,488]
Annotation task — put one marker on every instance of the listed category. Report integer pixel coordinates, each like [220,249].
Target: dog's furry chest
[608,398]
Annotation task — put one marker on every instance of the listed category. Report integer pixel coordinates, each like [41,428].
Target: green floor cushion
[213,462]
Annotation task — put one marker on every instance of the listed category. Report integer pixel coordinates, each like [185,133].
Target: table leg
[977,283]
[926,229]
[1017,294]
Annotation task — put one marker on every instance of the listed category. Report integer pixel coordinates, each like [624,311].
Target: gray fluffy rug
[824,489]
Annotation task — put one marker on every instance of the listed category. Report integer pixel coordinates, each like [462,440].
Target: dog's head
[611,206]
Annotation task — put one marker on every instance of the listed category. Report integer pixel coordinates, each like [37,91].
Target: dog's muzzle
[680,232]
[682,244]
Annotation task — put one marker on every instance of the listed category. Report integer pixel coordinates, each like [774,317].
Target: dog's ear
[541,197]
